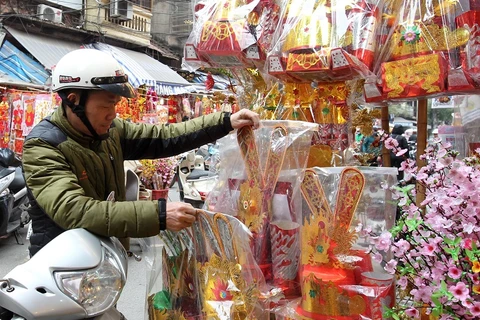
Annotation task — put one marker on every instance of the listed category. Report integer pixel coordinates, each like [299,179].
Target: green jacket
[69,175]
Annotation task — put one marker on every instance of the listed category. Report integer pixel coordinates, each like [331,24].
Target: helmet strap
[79,111]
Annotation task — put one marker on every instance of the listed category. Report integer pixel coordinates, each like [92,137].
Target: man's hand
[243,118]
[180,215]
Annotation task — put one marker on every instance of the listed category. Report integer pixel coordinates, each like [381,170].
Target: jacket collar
[59,117]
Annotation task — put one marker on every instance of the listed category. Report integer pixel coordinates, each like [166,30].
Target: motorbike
[13,195]
[84,282]
[194,179]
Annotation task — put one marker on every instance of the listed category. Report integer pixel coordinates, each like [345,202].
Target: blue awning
[19,66]
[136,74]
[47,50]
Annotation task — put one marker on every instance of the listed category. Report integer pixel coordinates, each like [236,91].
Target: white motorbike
[83,282]
[194,181]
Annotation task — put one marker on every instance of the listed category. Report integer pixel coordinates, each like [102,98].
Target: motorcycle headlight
[96,290]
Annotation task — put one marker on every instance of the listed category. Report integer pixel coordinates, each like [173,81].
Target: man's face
[100,111]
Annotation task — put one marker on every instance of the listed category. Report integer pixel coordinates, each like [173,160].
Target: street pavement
[132,300]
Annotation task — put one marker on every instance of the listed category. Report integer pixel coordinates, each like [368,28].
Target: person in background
[74,159]
[397,134]
[372,144]
[413,137]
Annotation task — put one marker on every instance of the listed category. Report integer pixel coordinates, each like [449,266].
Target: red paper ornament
[209,83]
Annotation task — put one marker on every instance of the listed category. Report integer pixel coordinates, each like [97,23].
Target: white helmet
[91,69]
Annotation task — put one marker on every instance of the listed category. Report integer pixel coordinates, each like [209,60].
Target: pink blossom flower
[391,143]
[377,257]
[390,267]
[459,291]
[428,249]
[412,312]
[384,241]
[454,272]
[401,152]
[475,309]
[402,282]
[400,247]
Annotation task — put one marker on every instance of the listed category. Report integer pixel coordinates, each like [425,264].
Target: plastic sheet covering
[339,278]
[259,180]
[325,40]
[204,272]
[425,48]
[230,33]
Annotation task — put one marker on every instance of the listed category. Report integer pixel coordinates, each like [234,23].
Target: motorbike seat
[197,174]
[18,182]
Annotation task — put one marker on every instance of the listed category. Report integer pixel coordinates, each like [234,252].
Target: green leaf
[412,224]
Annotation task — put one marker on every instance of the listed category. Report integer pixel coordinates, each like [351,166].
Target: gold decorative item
[326,244]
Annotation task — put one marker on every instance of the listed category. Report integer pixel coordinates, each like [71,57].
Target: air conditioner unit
[121,9]
[49,13]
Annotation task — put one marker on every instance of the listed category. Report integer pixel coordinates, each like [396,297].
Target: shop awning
[20,67]
[143,69]
[136,74]
[46,50]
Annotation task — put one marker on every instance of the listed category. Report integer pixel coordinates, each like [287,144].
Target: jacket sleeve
[56,190]
[148,141]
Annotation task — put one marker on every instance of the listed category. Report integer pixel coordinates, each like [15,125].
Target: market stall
[333,64]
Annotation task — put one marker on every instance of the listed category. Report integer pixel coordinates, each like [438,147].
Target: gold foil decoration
[308,60]
[432,38]
[320,156]
[225,291]
[311,30]
[257,191]
[323,228]
[315,233]
[326,298]
[423,71]
[225,9]
[155,314]
[221,30]
[352,183]
[364,119]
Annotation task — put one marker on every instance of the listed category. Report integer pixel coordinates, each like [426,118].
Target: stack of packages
[424,49]
[307,224]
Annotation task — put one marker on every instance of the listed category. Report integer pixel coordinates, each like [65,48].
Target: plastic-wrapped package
[469,19]
[204,272]
[230,33]
[420,50]
[339,279]
[258,183]
[324,40]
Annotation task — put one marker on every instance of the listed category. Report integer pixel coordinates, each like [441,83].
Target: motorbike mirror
[191,156]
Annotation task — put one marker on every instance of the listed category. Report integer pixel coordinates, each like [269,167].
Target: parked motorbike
[195,181]
[13,195]
[84,282]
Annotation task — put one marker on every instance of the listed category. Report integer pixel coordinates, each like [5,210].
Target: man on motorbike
[74,159]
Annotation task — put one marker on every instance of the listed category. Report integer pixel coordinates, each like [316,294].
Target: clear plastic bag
[230,34]
[204,272]
[324,40]
[424,48]
[260,174]
[338,276]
